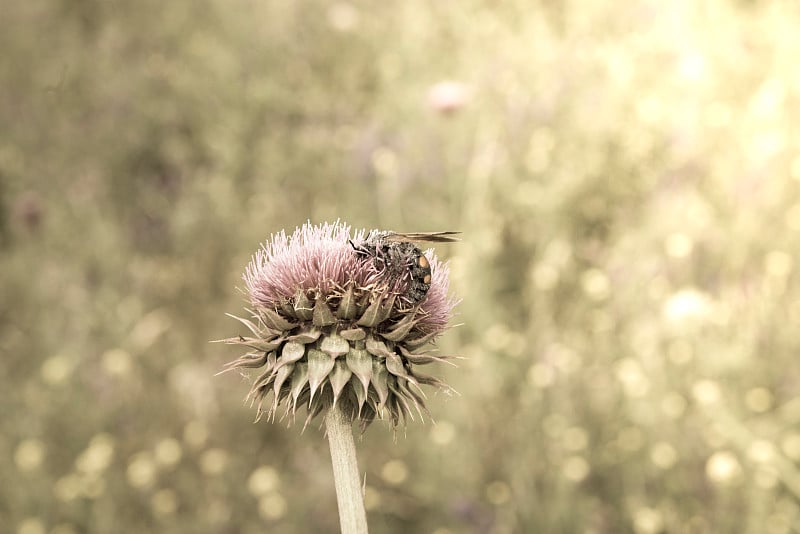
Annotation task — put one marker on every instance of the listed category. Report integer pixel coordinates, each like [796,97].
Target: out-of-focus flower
[448,96]
[332,326]
[343,17]
[29,210]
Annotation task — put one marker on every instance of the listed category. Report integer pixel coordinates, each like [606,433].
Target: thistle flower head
[339,318]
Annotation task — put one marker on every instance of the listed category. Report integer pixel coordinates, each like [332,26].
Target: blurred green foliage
[627,177]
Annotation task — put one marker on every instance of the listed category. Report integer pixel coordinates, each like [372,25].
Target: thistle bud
[335,322]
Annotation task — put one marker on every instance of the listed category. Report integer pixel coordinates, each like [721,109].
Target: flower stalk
[349,493]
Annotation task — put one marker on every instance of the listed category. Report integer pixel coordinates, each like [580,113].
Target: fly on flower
[399,259]
[341,318]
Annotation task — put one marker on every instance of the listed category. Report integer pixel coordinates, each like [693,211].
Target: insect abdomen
[420,277]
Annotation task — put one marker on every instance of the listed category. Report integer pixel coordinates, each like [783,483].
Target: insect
[398,257]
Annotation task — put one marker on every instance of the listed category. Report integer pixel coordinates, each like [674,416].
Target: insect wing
[431,237]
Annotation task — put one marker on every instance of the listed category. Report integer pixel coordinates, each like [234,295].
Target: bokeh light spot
[564,358]
[687,308]
[544,277]
[766,476]
[761,451]
[67,488]
[634,381]
[29,454]
[97,456]
[498,492]
[706,392]
[117,362]
[394,472]
[213,461]
[343,17]
[443,432]
[56,370]
[497,336]
[758,400]
[384,161]
[31,525]
[663,455]
[149,328]
[92,485]
[168,452]
[648,521]
[141,470]
[723,468]
[768,99]
[372,498]
[272,506]
[164,502]
[263,480]
[678,245]
[575,468]
[778,263]
[595,284]
[790,445]
[692,66]
[792,217]
[541,375]
[195,433]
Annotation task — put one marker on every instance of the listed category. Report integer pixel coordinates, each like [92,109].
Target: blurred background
[627,178]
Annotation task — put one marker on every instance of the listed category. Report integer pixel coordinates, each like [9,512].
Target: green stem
[352,516]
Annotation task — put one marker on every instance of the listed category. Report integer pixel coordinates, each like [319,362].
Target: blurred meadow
[627,178]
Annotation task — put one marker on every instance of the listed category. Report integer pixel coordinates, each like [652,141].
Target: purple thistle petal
[321,259]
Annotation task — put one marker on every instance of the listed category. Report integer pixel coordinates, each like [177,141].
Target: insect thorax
[400,262]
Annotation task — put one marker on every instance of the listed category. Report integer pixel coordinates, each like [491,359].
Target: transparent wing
[431,237]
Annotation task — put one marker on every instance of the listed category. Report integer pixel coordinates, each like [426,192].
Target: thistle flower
[333,326]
